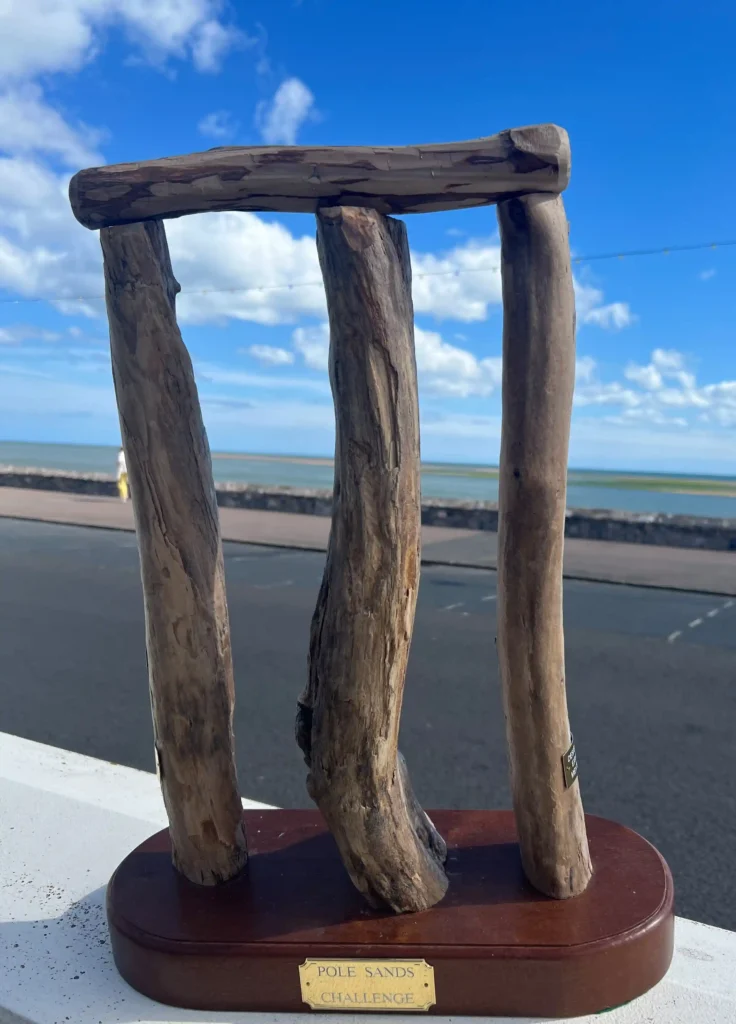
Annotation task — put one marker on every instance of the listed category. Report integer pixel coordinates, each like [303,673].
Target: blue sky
[645,91]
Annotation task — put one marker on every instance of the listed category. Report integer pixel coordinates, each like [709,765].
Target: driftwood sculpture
[297,179]
[348,716]
[187,629]
[538,380]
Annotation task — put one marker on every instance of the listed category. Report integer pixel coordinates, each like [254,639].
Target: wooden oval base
[498,947]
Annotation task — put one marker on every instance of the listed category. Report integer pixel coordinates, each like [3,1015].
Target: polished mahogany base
[498,947]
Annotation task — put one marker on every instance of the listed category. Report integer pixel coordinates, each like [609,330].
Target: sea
[587,489]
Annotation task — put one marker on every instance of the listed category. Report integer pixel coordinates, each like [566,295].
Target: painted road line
[449,607]
[268,556]
[697,622]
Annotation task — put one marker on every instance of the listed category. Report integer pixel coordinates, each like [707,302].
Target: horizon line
[329,459]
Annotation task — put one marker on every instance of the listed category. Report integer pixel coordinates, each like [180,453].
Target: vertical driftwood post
[538,379]
[348,717]
[187,630]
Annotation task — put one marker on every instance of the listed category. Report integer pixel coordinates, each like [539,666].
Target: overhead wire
[289,286]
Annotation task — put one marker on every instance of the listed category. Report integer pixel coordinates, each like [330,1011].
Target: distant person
[123,489]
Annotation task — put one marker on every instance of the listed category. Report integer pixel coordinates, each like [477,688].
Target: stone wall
[53,480]
[590,524]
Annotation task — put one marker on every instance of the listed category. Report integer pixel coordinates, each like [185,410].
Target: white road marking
[699,621]
[489,597]
[449,607]
[257,556]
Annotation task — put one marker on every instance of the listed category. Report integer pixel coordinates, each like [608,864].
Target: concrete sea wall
[591,524]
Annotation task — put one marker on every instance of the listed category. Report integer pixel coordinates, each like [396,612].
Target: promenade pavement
[712,572]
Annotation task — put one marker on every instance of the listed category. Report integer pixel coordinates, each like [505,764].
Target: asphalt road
[651,684]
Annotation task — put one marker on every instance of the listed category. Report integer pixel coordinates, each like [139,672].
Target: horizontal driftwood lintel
[299,179]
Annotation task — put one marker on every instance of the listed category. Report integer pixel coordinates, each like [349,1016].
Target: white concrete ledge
[66,821]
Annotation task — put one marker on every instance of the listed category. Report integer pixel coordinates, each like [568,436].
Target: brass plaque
[570,764]
[351,985]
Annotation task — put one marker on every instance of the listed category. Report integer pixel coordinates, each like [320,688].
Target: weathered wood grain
[296,179]
[173,494]
[538,379]
[348,716]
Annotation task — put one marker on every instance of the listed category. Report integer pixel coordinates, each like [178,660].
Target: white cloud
[445,369]
[270,355]
[176,28]
[234,250]
[25,392]
[458,285]
[442,368]
[210,373]
[272,420]
[217,125]
[706,275]
[464,282]
[28,125]
[211,41]
[43,251]
[614,316]
[721,399]
[618,442]
[613,393]
[591,310]
[664,385]
[219,253]
[20,333]
[647,377]
[279,120]
[313,344]
[667,366]
[31,200]
[42,36]
[648,414]
[667,360]
[460,426]
[584,369]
